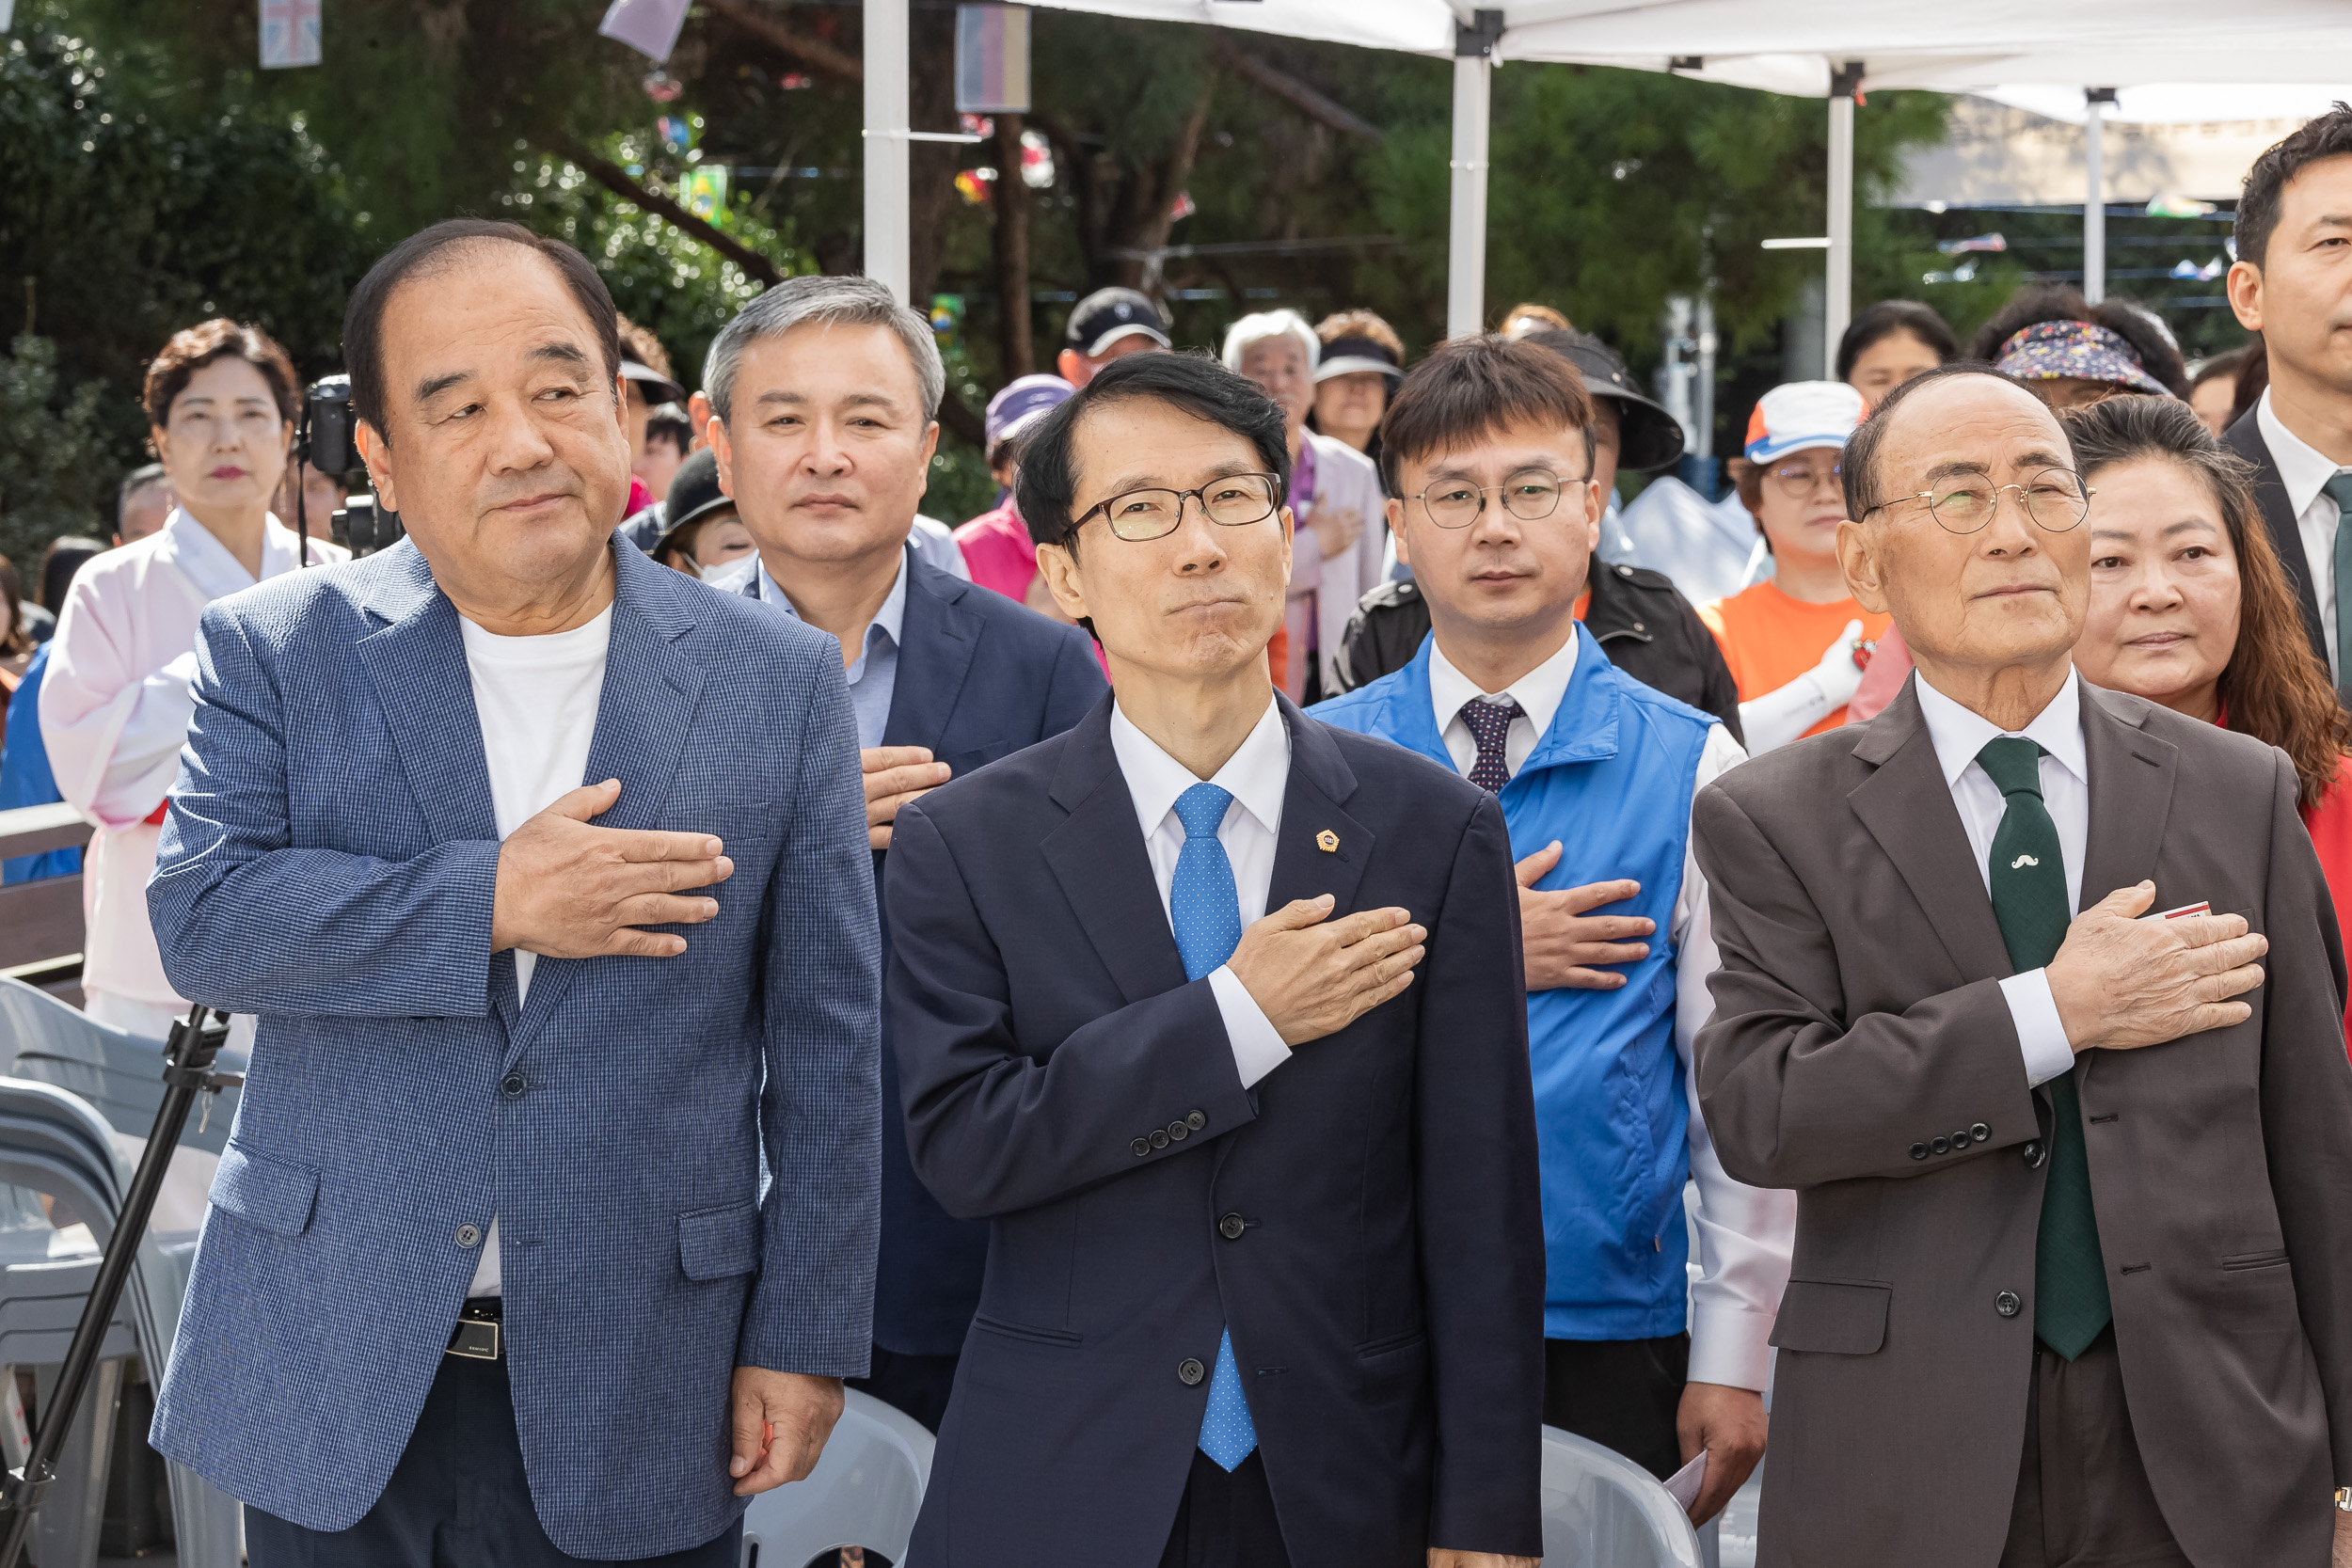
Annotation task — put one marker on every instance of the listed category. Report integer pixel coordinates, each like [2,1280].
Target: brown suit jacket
[1858,1018]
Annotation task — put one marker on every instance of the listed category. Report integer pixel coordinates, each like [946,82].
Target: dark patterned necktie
[1490,726]
[2028,878]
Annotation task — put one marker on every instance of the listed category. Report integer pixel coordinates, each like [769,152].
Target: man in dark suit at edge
[1215,1011]
[824,393]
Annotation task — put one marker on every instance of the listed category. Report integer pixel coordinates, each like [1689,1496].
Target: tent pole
[2095,193]
[886,174]
[1466,234]
[1837,295]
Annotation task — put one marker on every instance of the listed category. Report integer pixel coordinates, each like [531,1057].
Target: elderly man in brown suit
[2072,1283]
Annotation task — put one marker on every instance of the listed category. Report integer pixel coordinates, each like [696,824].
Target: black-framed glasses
[1530,496]
[1235,500]
[1796,480]
[2056,498]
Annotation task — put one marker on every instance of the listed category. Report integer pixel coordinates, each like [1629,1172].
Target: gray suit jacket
[1858,1018]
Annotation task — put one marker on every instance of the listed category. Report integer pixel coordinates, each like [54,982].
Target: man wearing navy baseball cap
[1105,324]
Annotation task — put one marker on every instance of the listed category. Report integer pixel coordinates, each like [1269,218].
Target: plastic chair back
[1599,1507]
[865,1493]
[119,1074]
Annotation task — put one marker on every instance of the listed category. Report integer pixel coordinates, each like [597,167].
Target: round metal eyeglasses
[2056,498]
[1235,500]
[1530,495]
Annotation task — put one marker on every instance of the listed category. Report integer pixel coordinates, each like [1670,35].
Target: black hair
[2328,136]
[668,424]
[2139,328]
[60,563]
[1472,386]
[1194,384]
[1886,319]
[1859,478]
[422,253]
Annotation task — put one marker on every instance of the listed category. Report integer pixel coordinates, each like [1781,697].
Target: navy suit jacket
[1365,1219]
[329,862]
[979,677]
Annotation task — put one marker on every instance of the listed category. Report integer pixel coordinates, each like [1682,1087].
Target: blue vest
[1611,782]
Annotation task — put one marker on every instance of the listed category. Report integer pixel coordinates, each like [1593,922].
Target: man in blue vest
[1488,465]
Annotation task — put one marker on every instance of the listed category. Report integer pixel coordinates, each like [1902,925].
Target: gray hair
[136,480]
[831,302]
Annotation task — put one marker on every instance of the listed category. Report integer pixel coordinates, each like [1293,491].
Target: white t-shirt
[536,698]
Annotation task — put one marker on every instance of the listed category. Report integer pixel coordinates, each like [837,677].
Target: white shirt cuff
[2040,1038]
[1730,1345]
[1258,1047]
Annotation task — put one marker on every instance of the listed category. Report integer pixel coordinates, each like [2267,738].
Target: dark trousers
[458,1497]
[1621,1394]
[2083,1497]
[917,1384]
[1226,1521]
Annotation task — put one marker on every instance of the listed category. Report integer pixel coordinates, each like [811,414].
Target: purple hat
[2047,351]
[1020,404]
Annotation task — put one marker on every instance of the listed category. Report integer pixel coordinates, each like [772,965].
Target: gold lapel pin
[1328,841]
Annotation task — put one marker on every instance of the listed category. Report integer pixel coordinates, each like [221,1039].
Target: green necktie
[2029,876]
[2339,491]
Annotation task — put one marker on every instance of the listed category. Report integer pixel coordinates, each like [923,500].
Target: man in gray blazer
[2073,1281]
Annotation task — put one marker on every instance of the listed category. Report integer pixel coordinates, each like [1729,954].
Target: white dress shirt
[1959,733]
[2303,470]
[1745,1234]
[1255,776]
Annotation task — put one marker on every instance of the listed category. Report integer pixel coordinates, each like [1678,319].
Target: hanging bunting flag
[8,12]
[290,33]
[648,27]
[704,193]
[991,59]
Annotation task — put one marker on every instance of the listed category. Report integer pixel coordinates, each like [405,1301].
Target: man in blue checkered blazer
[545,869]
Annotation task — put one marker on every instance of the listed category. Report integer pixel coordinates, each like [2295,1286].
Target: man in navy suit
[1216,1013]
[542,865]
[825,392]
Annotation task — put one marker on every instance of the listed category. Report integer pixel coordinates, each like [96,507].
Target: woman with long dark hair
[2189,606]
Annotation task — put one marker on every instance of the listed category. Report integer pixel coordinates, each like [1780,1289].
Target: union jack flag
[290,33]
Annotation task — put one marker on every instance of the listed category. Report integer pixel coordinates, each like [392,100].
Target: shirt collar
[1959,733]
[1256,774]
[206,559]
[2303,470]
[888,620]
[1539,692]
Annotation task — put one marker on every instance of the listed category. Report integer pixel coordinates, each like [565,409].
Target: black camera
[363,527]
[329,443]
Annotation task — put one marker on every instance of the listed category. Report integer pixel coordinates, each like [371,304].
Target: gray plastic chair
[1603,1508]
[119,1074]
[864,1493]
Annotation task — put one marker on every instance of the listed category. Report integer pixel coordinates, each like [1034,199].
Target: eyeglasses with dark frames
[1235,500]
[2056,498]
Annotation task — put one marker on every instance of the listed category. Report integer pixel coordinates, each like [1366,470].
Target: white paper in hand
[1684,1485]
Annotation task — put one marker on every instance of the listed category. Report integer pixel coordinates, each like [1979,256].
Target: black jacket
[1646,626]
[2286,536]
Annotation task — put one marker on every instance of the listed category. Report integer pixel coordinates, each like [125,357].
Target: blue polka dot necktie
[1489,725]
[1206,913]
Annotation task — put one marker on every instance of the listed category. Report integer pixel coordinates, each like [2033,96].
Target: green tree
[55,464]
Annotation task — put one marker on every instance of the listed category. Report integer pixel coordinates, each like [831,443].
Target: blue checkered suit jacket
[328,863]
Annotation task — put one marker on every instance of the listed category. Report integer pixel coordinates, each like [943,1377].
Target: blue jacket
[26,778]
[1610,781]
[980,676]
[328,862]
[1363,1218]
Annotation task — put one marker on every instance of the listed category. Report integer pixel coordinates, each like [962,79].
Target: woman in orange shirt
[1797,642]
[2189,606]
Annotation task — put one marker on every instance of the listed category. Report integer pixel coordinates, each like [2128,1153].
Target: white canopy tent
[1812,48]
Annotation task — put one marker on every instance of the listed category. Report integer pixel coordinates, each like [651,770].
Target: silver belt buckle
[475,1340]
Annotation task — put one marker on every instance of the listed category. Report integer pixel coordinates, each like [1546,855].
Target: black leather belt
[477,1336]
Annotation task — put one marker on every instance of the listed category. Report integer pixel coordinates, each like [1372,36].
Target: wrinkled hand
[780,1421]
[1311,979]
[1336,529]
[1730,1424]
[1440,1558]
[569,890]
[1562,942]
[2120,982]
[894,776]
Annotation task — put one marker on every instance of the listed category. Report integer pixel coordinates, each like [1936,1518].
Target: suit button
[1980,1132]
[1142,1147]
[513,1084]
[1918,1152]
[1194,1121]
[1159,1137]
[1231,1227]
[1942,1146]
[2033,1154]
[1178,1132]
[1189,1373]
[469,1236]
[2007,1304]
[1960,1140]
